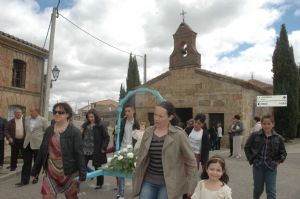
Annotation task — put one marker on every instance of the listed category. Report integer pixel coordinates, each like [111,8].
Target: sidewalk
[6,174]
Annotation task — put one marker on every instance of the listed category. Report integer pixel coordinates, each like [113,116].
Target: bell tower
[185,52]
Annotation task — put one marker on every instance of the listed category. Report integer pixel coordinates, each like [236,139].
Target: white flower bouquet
[123,161]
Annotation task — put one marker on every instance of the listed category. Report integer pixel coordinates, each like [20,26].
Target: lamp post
[55,73]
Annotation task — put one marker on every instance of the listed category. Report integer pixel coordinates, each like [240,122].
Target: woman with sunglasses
[95,141]
[61,156]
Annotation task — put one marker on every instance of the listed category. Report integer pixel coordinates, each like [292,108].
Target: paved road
[239,173]
[288,176]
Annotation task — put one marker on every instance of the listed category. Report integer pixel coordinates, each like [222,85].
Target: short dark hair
[129,106]
[66,107]
[257,119]
[200,117]
[238,117]
[267,116]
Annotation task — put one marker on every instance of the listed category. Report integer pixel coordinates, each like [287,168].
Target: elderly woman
[61,156]
[161,160]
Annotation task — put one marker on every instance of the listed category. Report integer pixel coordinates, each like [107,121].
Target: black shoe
[21,184]
[12,169]
[98,187]
[34,181]
[230,155]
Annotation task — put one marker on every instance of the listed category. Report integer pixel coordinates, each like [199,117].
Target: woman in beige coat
[166,166]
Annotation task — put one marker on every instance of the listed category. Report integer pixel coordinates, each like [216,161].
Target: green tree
[285,81]
[122,93]
[133,77]
[298,133]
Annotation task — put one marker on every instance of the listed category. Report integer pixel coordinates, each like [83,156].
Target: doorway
[184,115]
[151,118]
[215,118]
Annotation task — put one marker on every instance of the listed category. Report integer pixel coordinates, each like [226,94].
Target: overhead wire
[47,33]
[95,37]
[86,32]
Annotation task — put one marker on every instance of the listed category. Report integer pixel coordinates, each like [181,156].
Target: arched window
[19,73]
[184,51]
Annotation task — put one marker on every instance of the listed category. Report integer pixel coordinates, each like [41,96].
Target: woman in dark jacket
[61,156]
[95,141]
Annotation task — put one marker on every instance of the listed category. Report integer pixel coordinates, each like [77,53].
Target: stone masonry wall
[185,88]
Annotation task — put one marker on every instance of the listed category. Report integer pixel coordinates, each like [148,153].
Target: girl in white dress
[138,135]
[214,181]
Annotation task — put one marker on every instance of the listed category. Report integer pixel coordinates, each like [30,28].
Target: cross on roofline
[183,13]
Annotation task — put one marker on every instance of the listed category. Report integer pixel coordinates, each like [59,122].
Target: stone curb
[9,175]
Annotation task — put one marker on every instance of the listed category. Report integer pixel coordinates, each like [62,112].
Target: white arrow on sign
[272,104]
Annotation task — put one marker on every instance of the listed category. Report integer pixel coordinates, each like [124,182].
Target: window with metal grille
[19,73]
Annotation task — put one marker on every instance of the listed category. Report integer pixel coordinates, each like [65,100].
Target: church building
[194,90]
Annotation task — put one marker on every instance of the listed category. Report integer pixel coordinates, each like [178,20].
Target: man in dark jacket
[3,123]
[128,124]
[15,134]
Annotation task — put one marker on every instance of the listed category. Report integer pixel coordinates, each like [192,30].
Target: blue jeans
[153,191]
[121,186]
[262,175]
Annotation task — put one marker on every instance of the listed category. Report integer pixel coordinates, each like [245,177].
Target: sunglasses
[59,112]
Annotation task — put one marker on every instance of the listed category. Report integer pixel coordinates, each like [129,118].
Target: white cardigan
[223,193]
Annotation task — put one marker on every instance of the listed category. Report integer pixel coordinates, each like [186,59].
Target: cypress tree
[285,81]
[137,80]
[130,77]
[298,133]
[133,77]
[122,92]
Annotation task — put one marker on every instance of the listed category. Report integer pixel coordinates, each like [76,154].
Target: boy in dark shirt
[265,150]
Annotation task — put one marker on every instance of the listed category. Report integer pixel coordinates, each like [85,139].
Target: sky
[234,37]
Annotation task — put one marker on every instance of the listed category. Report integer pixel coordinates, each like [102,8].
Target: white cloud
[294,39]
[91,71]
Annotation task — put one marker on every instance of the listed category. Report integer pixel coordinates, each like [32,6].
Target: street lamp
[55,73]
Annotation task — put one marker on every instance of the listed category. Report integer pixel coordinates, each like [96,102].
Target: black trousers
[28,154]
[218,147]
[100,179]
[16,147]
[1,152]
[231,143]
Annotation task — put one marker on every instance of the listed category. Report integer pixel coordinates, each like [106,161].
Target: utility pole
[50,62]
[145,68]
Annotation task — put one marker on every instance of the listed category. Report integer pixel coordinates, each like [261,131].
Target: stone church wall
[204,94]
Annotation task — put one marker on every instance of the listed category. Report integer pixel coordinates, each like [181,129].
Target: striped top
[155,171]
